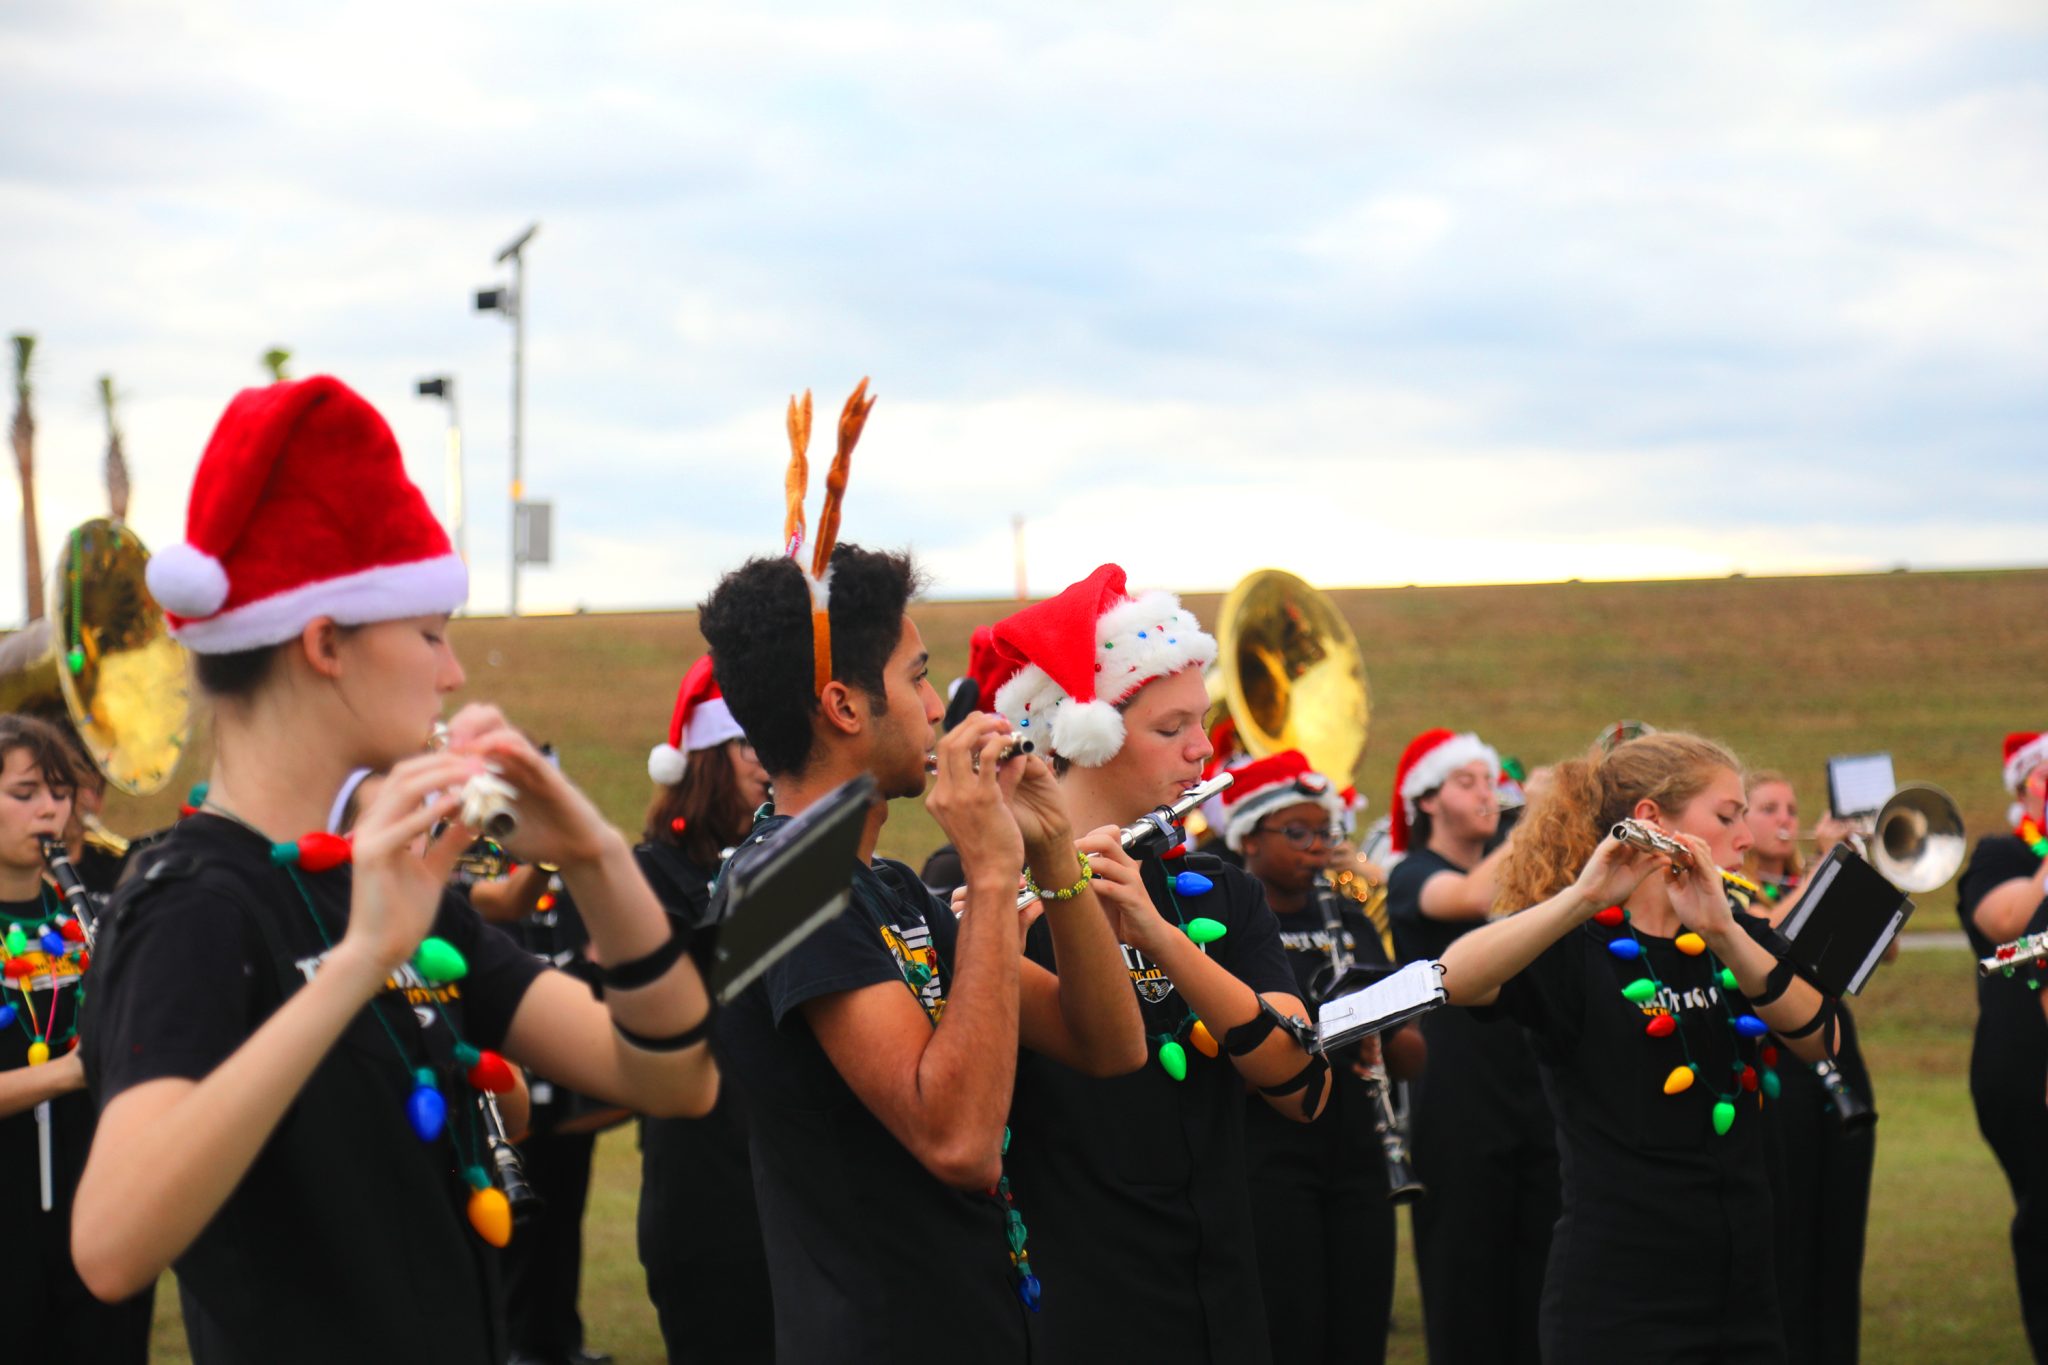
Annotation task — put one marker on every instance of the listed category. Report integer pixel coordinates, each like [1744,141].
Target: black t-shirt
[348,1239]
[1133,1186]
[2012,1036]
[1482,1078]
[1645,1177]
[872,1257]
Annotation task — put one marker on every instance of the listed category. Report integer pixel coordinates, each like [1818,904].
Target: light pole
[512,303]
[442,386]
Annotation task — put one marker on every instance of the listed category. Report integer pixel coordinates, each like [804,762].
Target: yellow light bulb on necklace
[38,1052]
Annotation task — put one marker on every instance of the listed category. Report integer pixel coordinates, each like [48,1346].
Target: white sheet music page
[1416,988]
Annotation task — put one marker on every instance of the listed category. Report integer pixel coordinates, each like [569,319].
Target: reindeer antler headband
[795,484]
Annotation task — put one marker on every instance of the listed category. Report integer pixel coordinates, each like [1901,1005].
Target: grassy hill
[1934,668]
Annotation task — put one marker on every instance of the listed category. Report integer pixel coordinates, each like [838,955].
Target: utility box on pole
[534,533]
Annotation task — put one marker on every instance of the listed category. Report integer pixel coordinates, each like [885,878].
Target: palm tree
[274,360]
[24,433]
[117,462]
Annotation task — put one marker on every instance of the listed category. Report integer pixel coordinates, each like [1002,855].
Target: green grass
[1933,667]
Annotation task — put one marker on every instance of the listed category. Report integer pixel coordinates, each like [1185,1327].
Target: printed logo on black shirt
[406,982]
[1313,941]
[912,947]
[1153,984]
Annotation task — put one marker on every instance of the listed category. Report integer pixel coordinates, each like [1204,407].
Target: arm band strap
[1305,1081]
[648,969]
[1247,1036]
[1820,1017]
[689,1037]
[1775,985]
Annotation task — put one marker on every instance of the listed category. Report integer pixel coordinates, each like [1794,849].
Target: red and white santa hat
[1059,668]
[2025,750]
[1272,783]
[1426,764]
[702,720]
[301,508]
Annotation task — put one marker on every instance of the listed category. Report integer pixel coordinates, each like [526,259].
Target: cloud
[1378,293]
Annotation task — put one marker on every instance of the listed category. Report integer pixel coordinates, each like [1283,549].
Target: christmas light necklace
[58,938]
[2029,830]
[918,966]
[1627,949]
[1202,931]
[439,963]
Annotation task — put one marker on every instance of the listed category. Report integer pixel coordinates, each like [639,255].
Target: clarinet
[505,1160]
[77,899]
[1388,1124]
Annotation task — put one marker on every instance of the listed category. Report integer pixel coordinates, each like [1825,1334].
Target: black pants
[1820,1193]
[544,1263]
[1325,1234]
[700,1240]
[2006,1084]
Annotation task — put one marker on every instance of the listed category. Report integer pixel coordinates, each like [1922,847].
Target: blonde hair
[1589,795]
[1794,866]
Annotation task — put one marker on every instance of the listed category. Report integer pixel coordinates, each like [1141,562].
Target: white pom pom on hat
[187,581]
[1087,732]
[666,764]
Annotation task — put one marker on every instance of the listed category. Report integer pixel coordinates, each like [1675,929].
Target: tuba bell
[1290,674]
[104,661]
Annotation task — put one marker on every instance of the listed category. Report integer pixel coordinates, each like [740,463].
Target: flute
[1636,834]
[1158,828]
[1015,746]
[486,798]
[2007,958]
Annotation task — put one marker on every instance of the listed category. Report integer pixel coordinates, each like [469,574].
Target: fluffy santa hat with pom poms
[301,508]
[702,720]
[1058,669]
[1273,783]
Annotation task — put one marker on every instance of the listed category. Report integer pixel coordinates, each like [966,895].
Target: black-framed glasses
[1304,836]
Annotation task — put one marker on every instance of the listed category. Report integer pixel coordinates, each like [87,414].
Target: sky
[1387,293]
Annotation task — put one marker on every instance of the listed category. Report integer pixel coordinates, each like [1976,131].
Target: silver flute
[2008,958]
[1636,834]
[1016,746]
[1158,828]
[487,799]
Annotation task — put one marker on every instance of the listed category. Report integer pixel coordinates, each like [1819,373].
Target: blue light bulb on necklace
[425,1108]
[7,1013]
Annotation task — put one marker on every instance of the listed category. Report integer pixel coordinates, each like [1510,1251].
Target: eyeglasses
[1304,836]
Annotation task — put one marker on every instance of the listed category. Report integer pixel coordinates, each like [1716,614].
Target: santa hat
[2025,750]
[1059,668]
[1272,783]
[1355,803]
[1426,764]
[301,508]
[702,720]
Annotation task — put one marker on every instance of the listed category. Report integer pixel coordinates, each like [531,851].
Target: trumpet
[1158,828]
[1636,834]
[77,899]
[1014,746]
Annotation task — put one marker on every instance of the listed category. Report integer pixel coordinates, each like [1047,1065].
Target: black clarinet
[505,1160]
[1388,1124]
[77,899]
[1851,1109]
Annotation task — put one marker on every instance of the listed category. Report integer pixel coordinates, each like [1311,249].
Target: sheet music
[1416,989]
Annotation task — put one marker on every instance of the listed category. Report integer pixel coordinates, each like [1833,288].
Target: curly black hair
[758,624]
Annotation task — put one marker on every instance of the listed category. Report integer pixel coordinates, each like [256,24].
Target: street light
[442,386]
[511,301]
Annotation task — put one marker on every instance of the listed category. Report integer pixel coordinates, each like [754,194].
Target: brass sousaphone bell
[104,660]
[1916,841]
[1291,675]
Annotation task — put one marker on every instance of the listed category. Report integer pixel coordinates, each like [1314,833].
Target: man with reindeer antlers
[877,1058]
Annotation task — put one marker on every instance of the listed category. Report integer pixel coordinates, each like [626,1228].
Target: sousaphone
[1291,674]
[104,660]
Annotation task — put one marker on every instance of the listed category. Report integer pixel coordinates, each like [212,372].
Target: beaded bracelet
[1064,893]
